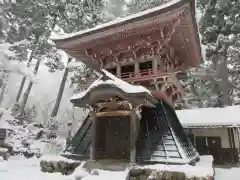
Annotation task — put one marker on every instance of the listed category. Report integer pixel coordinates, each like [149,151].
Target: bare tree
[60,92]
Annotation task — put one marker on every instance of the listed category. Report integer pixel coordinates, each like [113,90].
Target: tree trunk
[60,92]
[225,83]
[27,92]
[23,79]
[4,87]
[2,22]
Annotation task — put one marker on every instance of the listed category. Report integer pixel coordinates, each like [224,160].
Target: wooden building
[148,49]
[214,131]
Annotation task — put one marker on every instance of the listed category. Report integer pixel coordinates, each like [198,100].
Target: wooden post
[235,159]
[136,67]
[230,137]
[94,136]
[133,129]
[119,70]
[238,141]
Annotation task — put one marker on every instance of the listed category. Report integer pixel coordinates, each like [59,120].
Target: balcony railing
[143,75]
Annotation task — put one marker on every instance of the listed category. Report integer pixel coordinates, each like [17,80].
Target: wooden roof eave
[104,92]
[61,43]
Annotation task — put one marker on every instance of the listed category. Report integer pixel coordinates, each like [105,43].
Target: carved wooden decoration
[171,87]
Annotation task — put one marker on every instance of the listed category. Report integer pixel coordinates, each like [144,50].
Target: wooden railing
[143,75]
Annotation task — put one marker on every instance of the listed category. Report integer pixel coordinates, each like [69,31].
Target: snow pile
[190,171]
[205,161]
[56,158]
[113,80]
[228,116]
[107,175]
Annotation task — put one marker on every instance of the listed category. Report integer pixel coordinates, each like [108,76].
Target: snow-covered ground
[19,168]
[223,174]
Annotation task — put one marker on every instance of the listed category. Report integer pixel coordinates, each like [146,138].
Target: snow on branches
[7,61]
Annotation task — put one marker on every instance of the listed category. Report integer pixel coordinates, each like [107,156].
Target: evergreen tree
[220,27]
[135,6]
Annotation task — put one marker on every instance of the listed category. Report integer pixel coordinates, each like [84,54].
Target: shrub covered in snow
[29,139]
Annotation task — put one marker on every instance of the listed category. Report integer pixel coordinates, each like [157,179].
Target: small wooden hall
[214,131]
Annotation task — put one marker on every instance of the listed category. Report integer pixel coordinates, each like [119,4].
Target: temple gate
[150,49]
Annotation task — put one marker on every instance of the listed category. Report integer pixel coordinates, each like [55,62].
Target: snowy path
[19,168]
[223,174]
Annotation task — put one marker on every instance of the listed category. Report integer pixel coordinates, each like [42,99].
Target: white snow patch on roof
[116,21]
[126,87]
[228,116]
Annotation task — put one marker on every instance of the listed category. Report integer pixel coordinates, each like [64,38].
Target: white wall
[221,132]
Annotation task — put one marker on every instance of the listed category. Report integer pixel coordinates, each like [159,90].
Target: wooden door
[117,138]
[214,146]
[201,145]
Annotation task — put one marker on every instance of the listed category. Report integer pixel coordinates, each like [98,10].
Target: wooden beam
[114,113]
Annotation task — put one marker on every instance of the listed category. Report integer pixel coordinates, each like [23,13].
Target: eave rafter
[161,29]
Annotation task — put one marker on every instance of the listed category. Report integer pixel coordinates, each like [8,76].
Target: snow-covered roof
[210,117]
[113,80]
[116,21]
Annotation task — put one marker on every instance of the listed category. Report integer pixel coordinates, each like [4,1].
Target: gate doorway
[113,132]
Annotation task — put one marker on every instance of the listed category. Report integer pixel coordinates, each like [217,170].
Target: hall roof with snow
[210,117]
